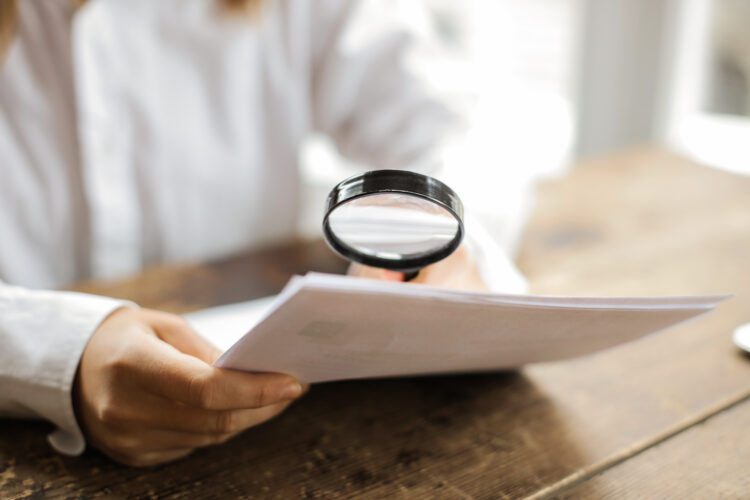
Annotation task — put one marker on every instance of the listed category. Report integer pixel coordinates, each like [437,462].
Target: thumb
[375,273]
[393,275]
[178,333]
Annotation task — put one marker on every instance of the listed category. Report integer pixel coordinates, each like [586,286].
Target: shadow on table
[480,434]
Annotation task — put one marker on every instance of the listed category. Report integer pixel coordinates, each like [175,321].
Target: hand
[458,271]
[146,392]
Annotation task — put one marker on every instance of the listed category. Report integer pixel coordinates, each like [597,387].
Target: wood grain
[644,222]
[191,286]
[709,460]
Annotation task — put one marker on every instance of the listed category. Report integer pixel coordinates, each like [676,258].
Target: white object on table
[741,337]
[327,327]
[225,325]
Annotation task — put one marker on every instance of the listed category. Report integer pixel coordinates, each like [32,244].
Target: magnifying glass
[393,219]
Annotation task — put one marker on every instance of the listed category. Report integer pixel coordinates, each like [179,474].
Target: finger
[374,273]
[393,275]
[177,332]
[145,410]
[139,441]
[149,459]
[221,422]
[164,371]
[159,413]
[457,271]
[361,271]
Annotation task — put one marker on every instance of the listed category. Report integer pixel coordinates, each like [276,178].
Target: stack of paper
[328,327]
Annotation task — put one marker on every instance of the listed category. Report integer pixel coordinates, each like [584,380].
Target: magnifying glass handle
[410,275]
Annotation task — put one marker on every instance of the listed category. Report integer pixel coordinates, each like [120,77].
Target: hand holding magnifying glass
[393,219]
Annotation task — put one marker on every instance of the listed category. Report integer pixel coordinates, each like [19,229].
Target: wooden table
[667,415]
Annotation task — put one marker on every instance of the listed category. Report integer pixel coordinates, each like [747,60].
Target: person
[141,132]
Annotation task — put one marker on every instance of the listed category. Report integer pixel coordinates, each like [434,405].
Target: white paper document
[329,327]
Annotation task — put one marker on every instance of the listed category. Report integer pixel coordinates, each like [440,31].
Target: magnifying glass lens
[394,219]
[393,226]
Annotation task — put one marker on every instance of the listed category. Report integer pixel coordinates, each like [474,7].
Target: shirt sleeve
[496,268]
[43,335]
[367,95]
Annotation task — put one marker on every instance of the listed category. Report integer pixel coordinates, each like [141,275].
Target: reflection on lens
[393,226]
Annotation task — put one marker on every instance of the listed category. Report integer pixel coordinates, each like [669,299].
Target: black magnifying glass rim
[401,182]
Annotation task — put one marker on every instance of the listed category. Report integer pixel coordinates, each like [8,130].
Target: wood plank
[187,287]
[641,223]
[710,460]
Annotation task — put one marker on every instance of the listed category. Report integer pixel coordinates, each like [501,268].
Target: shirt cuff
[81,322]
[44,335]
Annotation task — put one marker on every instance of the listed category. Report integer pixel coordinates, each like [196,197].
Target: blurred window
[710,107]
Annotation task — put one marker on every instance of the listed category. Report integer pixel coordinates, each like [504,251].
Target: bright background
[559,80]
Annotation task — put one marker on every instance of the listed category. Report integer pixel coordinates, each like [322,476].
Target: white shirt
[142,131]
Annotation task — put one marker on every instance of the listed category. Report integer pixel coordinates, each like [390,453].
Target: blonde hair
[9,17]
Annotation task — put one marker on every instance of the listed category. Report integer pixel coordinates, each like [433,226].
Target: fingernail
[291,391]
